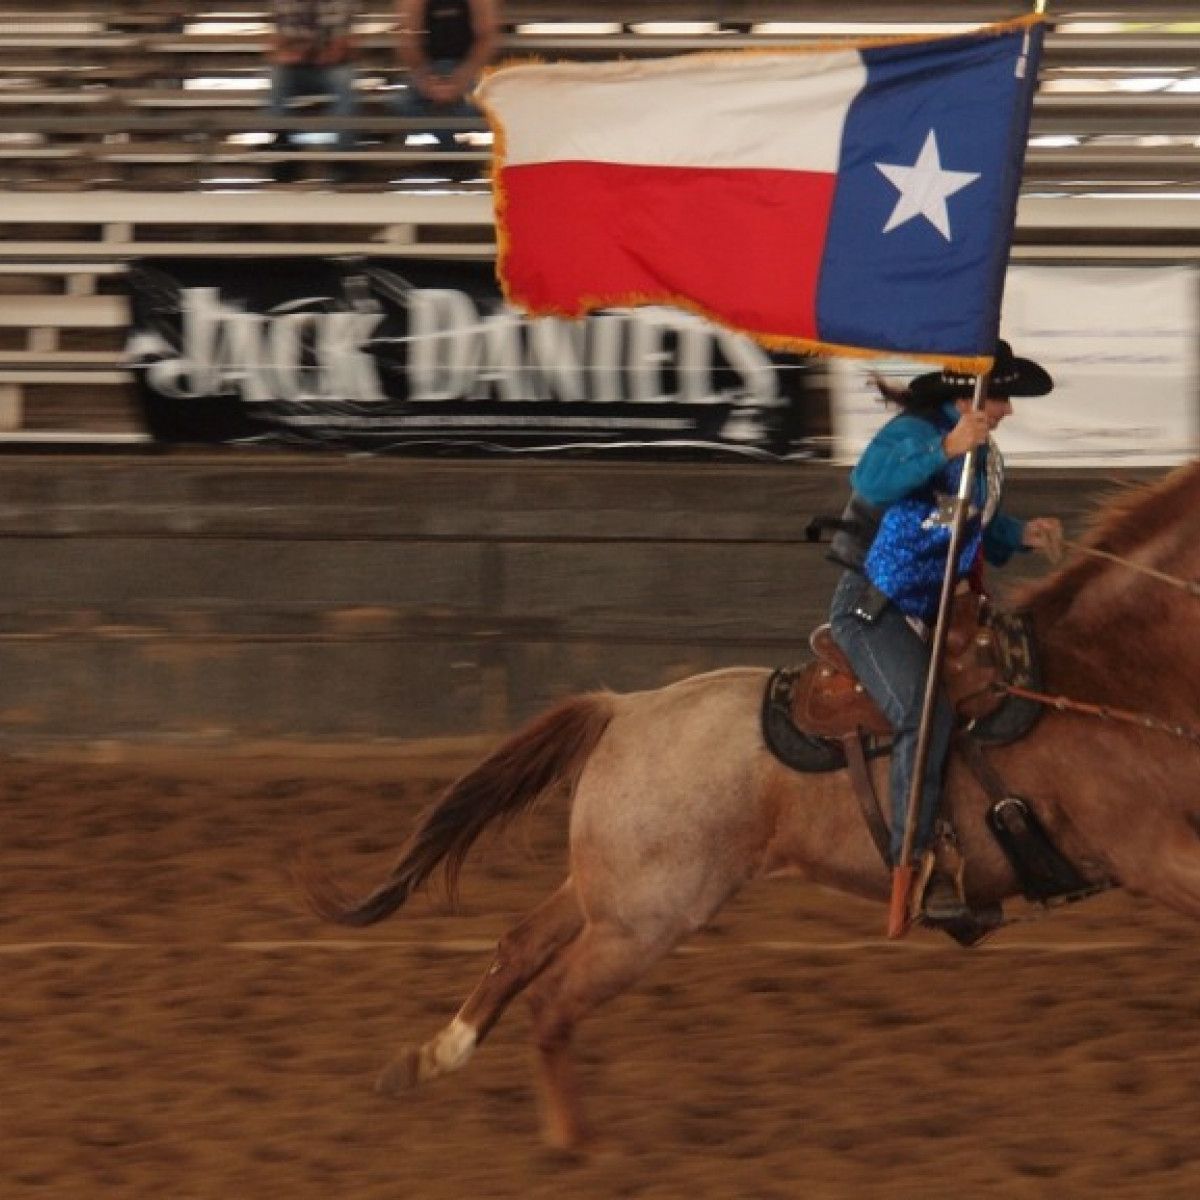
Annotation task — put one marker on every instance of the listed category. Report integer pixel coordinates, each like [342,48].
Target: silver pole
[902,877]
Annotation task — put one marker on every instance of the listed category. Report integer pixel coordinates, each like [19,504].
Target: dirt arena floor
[173,1024]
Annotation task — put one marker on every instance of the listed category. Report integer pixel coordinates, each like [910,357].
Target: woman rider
[894,539]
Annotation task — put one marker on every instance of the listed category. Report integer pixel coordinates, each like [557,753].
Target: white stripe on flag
[758,111]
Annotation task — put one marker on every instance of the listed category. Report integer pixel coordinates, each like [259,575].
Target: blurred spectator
[312,51]
[444,44]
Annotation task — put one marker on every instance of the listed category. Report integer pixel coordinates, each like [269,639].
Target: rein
[1187,585]
[1065,704]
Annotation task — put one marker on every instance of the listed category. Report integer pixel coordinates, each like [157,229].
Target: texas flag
[849,199]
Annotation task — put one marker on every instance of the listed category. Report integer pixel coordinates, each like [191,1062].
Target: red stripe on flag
[743,245]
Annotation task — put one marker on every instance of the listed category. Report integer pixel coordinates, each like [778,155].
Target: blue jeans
[410,103]
[299,79]
[891,661]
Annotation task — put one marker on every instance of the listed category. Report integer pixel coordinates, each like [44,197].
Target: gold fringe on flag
[795,345]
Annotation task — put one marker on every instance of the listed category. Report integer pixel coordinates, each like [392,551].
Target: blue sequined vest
[907,558]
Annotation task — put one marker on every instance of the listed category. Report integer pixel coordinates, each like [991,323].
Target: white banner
[1122,345]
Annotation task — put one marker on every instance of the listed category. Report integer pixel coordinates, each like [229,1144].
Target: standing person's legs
[458,108]
[891,661]
[409,103]
[339,83]
[287,82]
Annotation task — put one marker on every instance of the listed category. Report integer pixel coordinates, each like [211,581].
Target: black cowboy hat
[1010,376]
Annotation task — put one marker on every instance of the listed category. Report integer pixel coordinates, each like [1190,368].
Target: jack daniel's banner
[405,354]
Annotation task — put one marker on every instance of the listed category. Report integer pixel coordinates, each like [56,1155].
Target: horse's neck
[1127,639]
[1155,527]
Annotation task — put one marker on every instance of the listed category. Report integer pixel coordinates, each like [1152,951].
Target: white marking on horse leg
[448,1050]
[445,1051]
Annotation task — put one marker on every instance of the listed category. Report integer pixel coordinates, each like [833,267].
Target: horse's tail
[551,750]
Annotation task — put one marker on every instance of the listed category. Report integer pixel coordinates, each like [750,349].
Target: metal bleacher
[136,128]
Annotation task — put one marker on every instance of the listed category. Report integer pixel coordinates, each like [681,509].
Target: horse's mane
[1126,521]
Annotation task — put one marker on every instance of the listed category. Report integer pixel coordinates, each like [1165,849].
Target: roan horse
[677,802]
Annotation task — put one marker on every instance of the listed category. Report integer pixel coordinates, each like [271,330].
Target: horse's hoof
[570,1140]
[400,1075]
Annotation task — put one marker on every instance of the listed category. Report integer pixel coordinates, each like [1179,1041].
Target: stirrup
[942,902]
[950,913]
[939,896]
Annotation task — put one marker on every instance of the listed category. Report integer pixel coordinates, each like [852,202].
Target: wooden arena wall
[221,598]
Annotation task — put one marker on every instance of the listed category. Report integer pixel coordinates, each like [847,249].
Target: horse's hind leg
[520,956]
[603,961]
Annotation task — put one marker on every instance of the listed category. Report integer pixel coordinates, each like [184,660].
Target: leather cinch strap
[983,770]
[864,793]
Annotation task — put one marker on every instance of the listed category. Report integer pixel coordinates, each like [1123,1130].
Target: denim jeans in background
[410,103]
[289,81]
[891,661]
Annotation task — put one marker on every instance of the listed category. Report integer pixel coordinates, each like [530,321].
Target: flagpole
[903,871]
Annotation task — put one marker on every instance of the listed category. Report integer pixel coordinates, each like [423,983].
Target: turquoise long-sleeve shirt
[903,456]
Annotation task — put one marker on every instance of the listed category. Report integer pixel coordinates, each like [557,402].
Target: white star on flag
[924,188]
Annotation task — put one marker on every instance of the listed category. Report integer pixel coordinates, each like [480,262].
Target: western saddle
[829,702]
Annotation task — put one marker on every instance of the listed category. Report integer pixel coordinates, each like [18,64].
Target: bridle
[1189,733]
